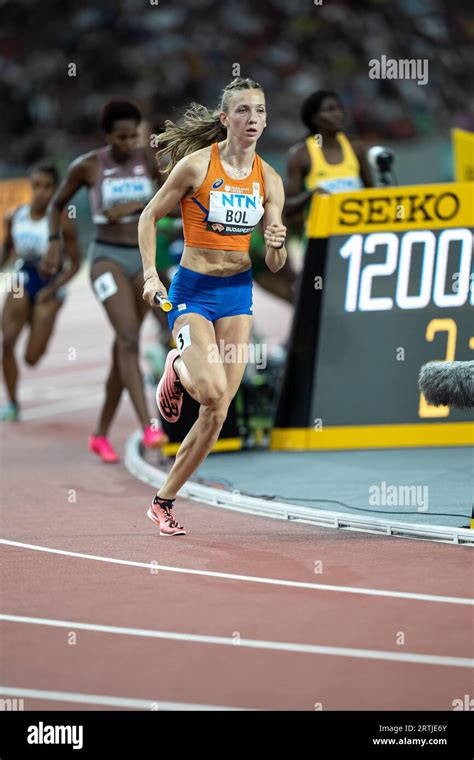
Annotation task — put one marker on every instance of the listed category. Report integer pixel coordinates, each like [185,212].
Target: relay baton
[164,303]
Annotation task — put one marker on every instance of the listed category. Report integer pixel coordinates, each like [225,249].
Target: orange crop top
[223,211]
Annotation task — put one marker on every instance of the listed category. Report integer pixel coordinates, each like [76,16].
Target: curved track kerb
[225,499]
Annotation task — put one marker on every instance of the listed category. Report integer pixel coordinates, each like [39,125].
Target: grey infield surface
[357,482]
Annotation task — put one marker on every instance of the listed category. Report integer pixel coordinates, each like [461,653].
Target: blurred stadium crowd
[169,53]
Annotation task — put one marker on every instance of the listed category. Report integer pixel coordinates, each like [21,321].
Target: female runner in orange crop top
[224,188]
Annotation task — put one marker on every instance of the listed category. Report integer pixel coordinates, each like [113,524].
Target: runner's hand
[275,235]
[49,264]
[153,285]
[45,294]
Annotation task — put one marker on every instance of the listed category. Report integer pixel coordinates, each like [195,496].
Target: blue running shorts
[33,282]
[212,297]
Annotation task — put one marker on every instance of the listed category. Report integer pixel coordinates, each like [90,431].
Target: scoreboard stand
[387,286]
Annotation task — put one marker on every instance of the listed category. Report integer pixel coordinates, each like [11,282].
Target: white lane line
[37,396]
[282,646]
[251,578]
[59,357]
[36,399]
[88,401]
[72,376]
[99,699]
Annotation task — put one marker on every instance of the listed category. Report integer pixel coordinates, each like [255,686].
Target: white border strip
[99,699]
[217,497]
[282,646]
[251,578]
[47,409]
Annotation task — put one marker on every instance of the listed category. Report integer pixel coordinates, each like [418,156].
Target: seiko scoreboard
[387,286]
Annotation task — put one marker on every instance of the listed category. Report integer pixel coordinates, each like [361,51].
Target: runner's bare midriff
[219,263]
[118,234]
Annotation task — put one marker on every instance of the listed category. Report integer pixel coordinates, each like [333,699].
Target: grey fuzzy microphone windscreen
[448,384]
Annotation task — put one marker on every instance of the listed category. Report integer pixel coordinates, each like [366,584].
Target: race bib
[105,286]
[233,213]
[340,184]
[117,190]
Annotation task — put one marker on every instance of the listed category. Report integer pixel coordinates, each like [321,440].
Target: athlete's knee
[8,343]
[128,341]
[211,390]
[214,415]
[32,357]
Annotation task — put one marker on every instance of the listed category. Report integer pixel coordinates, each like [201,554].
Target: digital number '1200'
[360,275]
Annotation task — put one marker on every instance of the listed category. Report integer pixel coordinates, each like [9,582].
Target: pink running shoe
[100,445]
[153,439]
[169,394]
[161,512]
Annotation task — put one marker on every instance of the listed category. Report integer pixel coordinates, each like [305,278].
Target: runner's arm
[365,173]
[179,181]
[76,177]
[274,229]
[8,249]
[72,251]
[296,169]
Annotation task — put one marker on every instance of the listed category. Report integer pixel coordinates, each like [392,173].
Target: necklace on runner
[239,172]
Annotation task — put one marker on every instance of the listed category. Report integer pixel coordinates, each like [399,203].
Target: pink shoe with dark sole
[161,513]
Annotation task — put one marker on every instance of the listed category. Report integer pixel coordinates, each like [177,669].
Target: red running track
[151,635]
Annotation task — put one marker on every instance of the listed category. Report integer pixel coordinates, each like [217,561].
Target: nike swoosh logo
[110,171]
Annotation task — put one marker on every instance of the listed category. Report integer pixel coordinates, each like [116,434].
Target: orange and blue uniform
[221,214]
[223,211]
